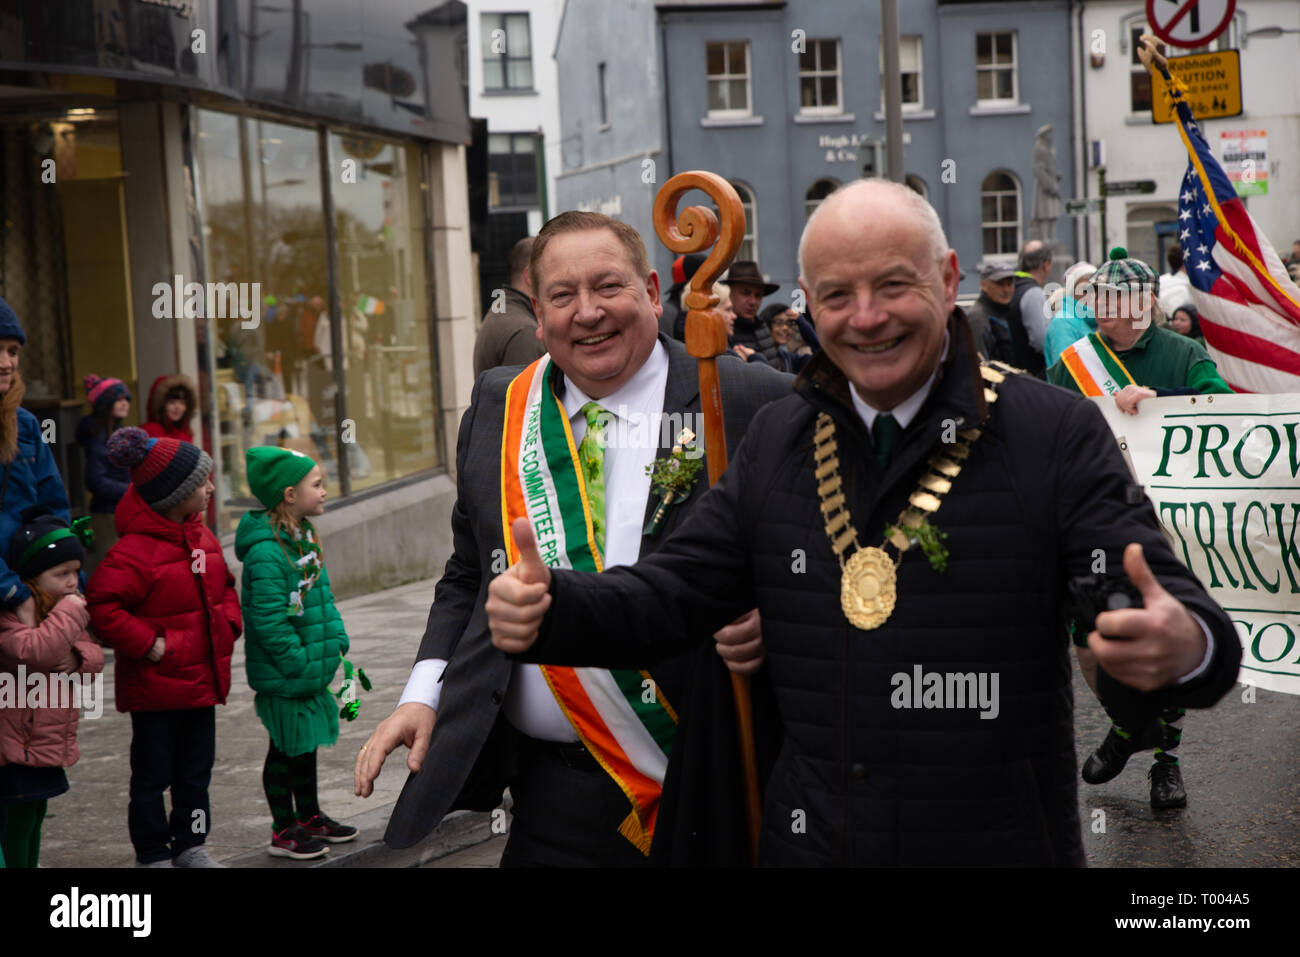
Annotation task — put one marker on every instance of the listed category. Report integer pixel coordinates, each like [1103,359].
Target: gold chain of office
[868,579]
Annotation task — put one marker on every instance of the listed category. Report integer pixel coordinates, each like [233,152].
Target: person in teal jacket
[294,642]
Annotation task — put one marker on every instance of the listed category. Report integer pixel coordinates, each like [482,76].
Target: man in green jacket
[1132,358]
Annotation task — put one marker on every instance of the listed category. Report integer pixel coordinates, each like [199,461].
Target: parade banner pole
[695,230]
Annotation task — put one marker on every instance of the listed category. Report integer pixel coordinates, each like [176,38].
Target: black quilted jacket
[859,781]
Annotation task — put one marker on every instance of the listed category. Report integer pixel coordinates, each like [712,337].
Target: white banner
[1223,473]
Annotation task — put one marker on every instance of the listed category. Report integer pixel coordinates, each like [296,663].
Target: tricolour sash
[622,717]
[1096,370]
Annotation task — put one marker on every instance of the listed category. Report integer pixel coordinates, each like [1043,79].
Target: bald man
[923,674]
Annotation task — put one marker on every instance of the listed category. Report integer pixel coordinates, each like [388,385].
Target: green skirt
[299,725]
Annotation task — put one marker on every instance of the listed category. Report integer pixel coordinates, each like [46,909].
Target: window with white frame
[1000,213]
[749,246]
[512,169]
[909,66]
[728,66]
[817,192]
[507,52]
[996,82]
[819,78]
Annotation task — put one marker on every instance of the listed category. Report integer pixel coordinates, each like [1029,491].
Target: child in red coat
[164,599]
[38,730]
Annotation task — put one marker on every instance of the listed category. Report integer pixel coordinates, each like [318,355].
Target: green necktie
[884,435]
[591,456]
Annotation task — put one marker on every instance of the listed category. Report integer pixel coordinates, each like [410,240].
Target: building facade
[785,100]
[1118,138]
[512,85]
[271,201]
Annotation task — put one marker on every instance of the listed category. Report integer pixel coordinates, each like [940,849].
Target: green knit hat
[271,470]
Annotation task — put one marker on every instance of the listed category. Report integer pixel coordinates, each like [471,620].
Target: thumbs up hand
[1164,641]
[518,598]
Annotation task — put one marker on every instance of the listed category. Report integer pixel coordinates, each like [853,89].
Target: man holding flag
[1249,306]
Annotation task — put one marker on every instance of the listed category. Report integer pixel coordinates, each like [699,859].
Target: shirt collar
[906,410]
[643,391]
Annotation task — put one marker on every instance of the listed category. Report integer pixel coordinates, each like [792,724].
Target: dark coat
[508,338]
[106,482]
[860,781]
[147,586]
[757,336]
[471,755]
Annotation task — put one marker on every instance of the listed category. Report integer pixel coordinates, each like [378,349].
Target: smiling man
[586,754]
[908,516]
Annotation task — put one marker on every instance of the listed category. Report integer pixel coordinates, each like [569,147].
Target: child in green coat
[294,641]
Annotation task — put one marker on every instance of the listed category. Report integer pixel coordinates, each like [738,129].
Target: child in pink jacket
[41,663]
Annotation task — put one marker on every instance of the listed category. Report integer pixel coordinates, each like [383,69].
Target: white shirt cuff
[425,683]
[1209,652]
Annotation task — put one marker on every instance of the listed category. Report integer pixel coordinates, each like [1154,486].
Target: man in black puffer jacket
[887,759]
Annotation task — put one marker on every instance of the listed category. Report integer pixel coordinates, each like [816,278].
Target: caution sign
[1213,85]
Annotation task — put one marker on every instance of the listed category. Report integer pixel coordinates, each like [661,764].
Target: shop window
[512,169]
[728,68]
[1000,213]
[996,81]
[507,52]
[819,77]
[277,378]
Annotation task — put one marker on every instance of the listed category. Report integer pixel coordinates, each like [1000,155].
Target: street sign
[1245,160]
[1130,187]
[1213,86]
[1083,207]
[1189,23]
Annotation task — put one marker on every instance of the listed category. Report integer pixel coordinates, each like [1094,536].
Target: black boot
[1167,785]
[1109,759]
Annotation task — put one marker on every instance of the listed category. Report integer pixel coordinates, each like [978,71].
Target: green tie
[884,435]
[591,455]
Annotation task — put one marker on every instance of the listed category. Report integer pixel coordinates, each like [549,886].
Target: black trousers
[176,750]
[567,811]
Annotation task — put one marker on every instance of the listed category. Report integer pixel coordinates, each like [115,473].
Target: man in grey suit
[474,721]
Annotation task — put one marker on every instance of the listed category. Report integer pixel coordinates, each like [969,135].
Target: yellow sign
[1213,85]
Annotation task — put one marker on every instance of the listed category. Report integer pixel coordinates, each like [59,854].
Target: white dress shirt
[529,704]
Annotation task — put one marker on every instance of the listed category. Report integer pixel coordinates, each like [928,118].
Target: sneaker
[1109,759]
[195,857]
[296,843]
[327,829]
[1167,785]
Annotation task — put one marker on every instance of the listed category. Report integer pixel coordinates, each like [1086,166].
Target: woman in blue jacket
[28,475]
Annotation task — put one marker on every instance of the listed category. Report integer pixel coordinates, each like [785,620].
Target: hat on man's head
[1121,270]
[10,327]
[996,272]
[271,470]
[685,267]
[165,472]
[101,393]
[42,541]
[746,270]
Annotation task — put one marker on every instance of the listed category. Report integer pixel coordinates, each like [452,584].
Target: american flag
[1249,307]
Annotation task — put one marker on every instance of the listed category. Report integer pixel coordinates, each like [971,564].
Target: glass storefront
[277,376]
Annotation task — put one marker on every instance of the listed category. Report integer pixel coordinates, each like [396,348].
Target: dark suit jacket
[470,758]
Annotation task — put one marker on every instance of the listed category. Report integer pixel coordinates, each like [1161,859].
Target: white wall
[525,112]
[1138,149]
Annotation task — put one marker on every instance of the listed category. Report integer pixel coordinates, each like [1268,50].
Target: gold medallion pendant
[868,588]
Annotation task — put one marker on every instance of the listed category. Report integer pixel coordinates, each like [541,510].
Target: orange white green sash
[1095,367]
[621,716]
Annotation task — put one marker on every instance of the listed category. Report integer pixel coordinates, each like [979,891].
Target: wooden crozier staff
[696,229]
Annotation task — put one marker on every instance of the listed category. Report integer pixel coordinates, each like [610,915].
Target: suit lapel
[681,394]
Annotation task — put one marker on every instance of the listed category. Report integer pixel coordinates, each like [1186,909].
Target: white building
[1113,98]
[512,84]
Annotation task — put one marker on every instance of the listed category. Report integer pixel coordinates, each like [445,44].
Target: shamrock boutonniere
[672,478]
[929,538]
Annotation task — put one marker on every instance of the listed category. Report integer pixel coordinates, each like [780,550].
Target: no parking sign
[1189,23]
